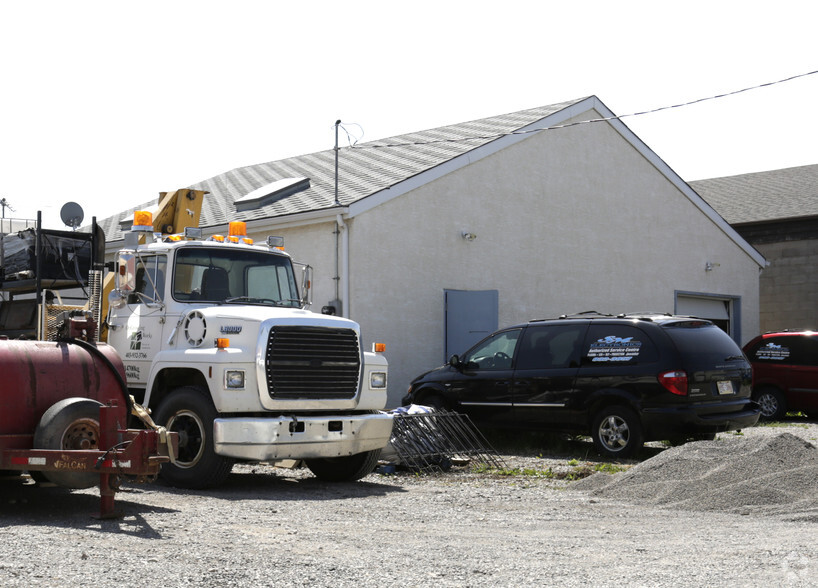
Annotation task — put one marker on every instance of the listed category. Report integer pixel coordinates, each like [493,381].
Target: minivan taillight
[675,382]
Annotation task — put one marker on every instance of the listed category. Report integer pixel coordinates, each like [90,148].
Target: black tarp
[64,257]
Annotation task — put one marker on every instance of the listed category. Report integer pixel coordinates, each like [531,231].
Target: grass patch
[781,424]
[540,444]
[577,471]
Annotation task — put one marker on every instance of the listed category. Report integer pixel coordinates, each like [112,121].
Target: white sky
[108,103]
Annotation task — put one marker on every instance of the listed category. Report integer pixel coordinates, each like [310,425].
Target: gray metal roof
[763,196]
[364,170]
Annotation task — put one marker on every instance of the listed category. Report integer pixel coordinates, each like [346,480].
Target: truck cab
[217,341]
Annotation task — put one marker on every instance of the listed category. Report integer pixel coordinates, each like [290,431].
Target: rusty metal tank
[36,374]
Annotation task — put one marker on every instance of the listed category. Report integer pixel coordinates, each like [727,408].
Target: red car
[785,372]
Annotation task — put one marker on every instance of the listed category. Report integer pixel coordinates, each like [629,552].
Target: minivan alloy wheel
[617,432]
[614,432]
[772,403]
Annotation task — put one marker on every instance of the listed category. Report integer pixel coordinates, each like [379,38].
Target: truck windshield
[234,275]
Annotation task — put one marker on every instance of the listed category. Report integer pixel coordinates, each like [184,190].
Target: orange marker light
[222,343]
[142,218]
[379,347]
[238,229]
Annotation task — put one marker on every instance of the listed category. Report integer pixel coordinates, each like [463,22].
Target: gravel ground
[687,516]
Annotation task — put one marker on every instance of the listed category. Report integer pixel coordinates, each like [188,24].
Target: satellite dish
[71,214]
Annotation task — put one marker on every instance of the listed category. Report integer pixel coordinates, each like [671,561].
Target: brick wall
[789,286]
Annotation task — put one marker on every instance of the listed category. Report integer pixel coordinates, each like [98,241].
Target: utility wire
[582,122]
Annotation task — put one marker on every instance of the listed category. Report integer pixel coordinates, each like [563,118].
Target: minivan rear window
[705,344]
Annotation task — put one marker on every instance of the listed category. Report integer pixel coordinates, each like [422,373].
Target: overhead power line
[583,122]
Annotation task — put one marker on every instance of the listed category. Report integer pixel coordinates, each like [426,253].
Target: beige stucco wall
[312,244]
[566,221]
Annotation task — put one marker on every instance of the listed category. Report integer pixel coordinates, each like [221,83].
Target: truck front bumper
[300,437]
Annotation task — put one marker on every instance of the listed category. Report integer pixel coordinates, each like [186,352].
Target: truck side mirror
[126,272]
[306,285]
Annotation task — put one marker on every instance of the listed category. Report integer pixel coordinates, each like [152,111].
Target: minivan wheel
[617,432]
[773,405]
[435,401]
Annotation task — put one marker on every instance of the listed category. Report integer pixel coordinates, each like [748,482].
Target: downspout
[340,227]
[344,277]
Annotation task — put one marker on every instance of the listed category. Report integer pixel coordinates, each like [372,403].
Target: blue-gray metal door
[471,315]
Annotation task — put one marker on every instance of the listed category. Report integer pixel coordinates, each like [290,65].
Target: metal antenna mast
[337,278]
[337,124]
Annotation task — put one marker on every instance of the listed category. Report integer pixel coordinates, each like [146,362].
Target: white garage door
[709,308]
[717,310]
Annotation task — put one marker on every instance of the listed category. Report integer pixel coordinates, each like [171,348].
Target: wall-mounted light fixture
[708,267]
[468,236]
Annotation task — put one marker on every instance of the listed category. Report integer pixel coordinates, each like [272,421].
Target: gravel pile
[761,475]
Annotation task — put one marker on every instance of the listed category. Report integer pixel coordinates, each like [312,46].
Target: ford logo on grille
[231,329]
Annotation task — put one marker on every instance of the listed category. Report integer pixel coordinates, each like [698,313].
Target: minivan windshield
[234,275]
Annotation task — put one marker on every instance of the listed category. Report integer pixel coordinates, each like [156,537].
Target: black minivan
[624,379]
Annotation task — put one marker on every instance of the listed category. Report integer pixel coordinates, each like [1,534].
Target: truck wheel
[772,402]
[616,432]
[190,412]
[72,423]
[344,469]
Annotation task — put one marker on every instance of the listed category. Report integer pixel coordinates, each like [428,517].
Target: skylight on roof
[271,192]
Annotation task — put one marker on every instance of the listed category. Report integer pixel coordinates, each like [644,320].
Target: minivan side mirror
[455,362]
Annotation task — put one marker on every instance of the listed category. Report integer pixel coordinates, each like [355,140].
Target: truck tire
[344,469]
[190,412]
[617,432]
[71,423]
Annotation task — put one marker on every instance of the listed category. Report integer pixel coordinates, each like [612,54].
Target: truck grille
[312,362]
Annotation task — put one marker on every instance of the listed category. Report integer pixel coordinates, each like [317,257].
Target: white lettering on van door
[613,348]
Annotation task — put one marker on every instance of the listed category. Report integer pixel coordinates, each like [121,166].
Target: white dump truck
[217,341]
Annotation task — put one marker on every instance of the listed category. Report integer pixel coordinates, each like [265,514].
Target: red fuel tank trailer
[64,402]
[34,375]
[64,414]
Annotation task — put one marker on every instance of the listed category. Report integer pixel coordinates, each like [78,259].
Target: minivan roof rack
[585,314]
[645,316]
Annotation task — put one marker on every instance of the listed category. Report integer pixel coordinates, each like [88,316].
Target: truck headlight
[234,379]
[377,379]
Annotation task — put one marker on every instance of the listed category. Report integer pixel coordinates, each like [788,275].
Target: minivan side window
[810,348]
[803,350]
[617,345]
[495,353]
[546,347]
[774,350]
